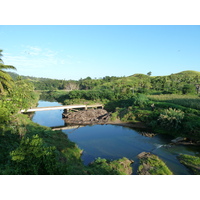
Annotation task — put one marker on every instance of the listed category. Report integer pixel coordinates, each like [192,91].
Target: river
[114,142]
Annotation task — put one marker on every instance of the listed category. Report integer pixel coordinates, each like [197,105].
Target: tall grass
[183,100]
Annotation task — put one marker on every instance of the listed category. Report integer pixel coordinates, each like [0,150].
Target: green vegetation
[105,167]
[28,148]
[182,83]
[171,118]
[192,162]
[5,78]
[151,165]
[39,150]
[191,101]
[166,104]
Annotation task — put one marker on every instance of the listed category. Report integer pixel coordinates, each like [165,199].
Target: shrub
[141,100]
[171,118]
[34,157]
[188,89]
[191,125]
[106,167]
[142,115]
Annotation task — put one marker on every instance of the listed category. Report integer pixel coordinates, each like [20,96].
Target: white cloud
[41,62]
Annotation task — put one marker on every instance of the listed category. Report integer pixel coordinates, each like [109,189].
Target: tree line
[186,82]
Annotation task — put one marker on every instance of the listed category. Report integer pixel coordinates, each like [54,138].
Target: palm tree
[1,61]
[5,79]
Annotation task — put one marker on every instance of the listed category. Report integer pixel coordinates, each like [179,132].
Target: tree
[21,95]
[5,78]
[149,73]
[1,61]
[71,85]
[188,89]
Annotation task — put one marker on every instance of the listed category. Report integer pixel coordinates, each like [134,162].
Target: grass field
[183,100]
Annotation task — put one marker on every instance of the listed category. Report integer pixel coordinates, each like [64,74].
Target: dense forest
[164,104]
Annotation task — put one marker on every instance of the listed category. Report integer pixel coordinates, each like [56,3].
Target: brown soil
[91,116]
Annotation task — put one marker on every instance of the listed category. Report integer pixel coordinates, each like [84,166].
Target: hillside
[185,73]
[180,83]
[189,73]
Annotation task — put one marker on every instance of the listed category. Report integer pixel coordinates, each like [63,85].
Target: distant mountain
[32,78]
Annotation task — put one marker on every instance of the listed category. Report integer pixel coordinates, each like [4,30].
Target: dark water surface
[114,142]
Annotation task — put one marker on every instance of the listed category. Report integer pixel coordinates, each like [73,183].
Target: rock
[178,139]
[143,154]
[148,134]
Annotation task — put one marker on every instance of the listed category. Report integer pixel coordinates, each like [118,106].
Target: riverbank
[38,150]
[137,125]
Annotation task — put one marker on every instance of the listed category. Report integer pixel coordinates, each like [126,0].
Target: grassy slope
[189,73]
[151,164]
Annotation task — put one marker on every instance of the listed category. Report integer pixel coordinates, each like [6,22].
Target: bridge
[66,108]
[66,127]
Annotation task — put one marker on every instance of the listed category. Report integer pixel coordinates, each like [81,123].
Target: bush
[4,115]
[189,89]
[141,100]
[142,115]
[33,157]
[106,167]
[171,118]
[191,125]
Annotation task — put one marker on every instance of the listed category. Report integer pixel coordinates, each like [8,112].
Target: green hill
[179,83]
[189,73]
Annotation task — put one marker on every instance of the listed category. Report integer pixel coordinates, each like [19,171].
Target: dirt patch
[90,116]
[146,167]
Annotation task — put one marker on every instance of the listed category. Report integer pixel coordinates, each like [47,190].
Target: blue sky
[74,52]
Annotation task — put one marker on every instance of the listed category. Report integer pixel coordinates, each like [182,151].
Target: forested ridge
[185,82]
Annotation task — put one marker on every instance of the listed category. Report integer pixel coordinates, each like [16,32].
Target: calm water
[113,142]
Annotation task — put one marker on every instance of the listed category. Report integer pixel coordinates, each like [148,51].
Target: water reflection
[49,117]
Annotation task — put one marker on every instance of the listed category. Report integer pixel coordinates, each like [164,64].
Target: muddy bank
[139,125]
